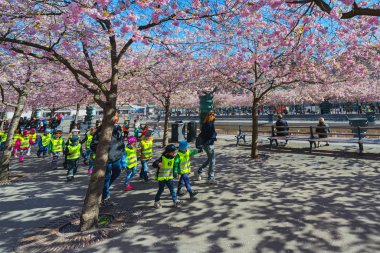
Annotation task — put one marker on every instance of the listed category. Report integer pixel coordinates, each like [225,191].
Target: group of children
[168,166]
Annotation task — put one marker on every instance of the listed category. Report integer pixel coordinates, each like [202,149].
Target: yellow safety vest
[57,145]
[131,157]
[33,137]
[74,152]
[166,170]
[15,138]
[88,141]
[24,142]
[146,149]
[45,140]
[4,137]
[184,164]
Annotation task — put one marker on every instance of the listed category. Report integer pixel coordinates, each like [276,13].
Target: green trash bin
[358,123]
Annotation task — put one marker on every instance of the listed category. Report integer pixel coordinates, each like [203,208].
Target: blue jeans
[161,187]
[210,162]
[42,150]
[144,170]
[130,174]
[72,167]
[184,179]
[87,153]
[112,173]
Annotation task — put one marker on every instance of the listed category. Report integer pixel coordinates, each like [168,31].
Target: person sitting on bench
[282,127]
[322,129]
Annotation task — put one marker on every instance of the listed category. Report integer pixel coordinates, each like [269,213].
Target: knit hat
[170,148]
[183,145]
[74,138]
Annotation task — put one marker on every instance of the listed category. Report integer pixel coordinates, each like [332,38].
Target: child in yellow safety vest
[33,139]
[74,132]
[43,143]
[56,147]
[87,141]
[23,144]
[182,165]
[15,147]
[73,154]
[146,152]
[164,175]
[4,137]
[129,162]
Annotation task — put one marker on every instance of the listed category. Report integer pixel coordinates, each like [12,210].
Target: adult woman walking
[208,135]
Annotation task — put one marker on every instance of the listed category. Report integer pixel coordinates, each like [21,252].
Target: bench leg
[237,141]
[271,143]
[311,146]
[244,139]
[360,148]
[276,143]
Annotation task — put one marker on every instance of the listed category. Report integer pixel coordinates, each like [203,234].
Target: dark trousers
[161,187]
[72,167]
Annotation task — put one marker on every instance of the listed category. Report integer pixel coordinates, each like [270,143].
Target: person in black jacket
[115,154]
[282,127]
[208,135]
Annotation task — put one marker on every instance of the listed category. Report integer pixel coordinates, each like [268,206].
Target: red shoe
[128,188]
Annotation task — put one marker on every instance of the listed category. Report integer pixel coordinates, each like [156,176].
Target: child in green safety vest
[73,154]
[164,175]
[15,147]
[56,147]
[87,141]
[182,165]
[43,143]
[4,137]
[146,153]
[74,132]
[23,144]
[129,162]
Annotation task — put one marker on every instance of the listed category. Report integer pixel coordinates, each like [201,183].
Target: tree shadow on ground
[286,202]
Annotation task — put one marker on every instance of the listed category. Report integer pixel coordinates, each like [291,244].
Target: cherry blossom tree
[91,39]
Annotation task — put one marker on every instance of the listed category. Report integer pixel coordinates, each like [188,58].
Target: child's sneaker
[89,171]
[157,204]
[198,176]
[128,187]
[181,193]
[192,195]
[177,204]
[108,202]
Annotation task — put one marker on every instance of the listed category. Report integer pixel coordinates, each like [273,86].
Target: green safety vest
[15,138]
[74,152]
[166,171]
[146,149]
[57,145]
[33,137]
[184,163]
[88,141]
[24,142]
[131,157]
[4,137]
[45,140]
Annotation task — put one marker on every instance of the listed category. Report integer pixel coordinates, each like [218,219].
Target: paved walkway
[290,201]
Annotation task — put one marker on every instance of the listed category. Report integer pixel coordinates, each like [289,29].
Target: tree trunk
[52,112]
[255,130]
[76,115]
[5,159]
[90,211]
[3,118]
[166,122]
